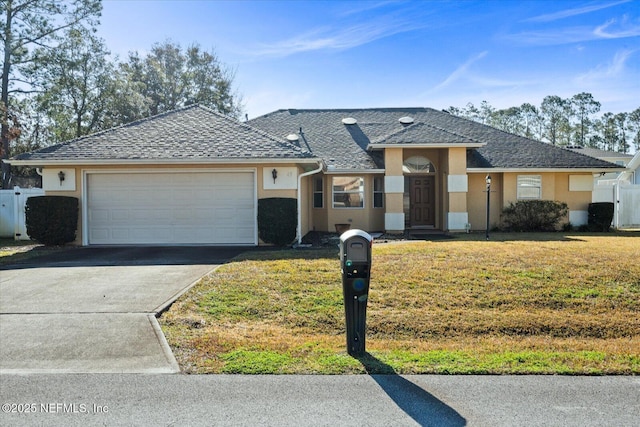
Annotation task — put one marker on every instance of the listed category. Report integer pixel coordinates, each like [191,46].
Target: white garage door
[171,208]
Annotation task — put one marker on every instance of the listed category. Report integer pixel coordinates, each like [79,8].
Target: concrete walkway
[93,310]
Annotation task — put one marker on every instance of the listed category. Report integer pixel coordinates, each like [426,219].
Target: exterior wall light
[61,176]
[274,174]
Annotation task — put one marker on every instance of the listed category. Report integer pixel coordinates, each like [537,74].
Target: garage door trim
[85,191]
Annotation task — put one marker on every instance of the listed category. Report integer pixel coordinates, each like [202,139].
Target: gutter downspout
[299,227]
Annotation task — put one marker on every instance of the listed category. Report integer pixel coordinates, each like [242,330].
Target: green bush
[600,216]
[534,215]
[277,220]
[52,220]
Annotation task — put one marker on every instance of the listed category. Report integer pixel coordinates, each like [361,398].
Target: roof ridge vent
[293,137]
[406,120]
[349,121]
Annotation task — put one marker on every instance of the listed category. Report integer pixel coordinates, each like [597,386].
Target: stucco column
[457,188]
[393,191]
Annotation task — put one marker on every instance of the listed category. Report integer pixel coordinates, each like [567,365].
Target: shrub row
[52,220]
[545,215]
[600,216]
[534,215]
[277,220]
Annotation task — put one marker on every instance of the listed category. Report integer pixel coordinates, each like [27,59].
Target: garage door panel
[244,215]
[245,233]
[116,215]
[98,215]
[171,208]
[99,234]
[202,214]
[150,235]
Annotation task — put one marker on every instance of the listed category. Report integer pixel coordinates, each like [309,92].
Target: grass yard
[17,250]
[518,304]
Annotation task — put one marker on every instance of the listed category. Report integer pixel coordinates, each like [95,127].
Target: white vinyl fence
[12,217]
[626,199]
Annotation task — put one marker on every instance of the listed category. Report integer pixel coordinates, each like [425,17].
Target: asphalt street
[308,400]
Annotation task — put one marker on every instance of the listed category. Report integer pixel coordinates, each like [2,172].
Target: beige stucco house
[192,176]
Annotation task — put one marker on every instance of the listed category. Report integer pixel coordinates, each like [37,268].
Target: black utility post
[488,181]
[355,262]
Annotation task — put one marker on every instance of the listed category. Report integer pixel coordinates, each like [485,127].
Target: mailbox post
[355,262]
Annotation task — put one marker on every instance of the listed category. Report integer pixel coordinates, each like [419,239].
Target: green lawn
[519,303]
[15,250]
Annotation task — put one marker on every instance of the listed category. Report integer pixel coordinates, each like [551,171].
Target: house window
[529,187]
[378,191]
[318,193]
[348,192]
[418,164]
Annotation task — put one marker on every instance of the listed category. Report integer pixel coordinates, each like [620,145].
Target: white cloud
[360,7]
[573,12]
[627,30]
[336,37]
[461,71]
[610,29]
[553,37]
[610,70]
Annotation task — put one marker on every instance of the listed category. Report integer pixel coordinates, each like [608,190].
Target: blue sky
[335,54]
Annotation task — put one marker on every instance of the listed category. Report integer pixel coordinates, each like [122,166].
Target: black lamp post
[488,181]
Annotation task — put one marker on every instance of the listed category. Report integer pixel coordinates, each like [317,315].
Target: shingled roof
[198,134]
[193,133]
[423,133]
[597,153]
[355,146]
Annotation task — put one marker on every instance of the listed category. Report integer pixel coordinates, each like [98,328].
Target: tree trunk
[4,101]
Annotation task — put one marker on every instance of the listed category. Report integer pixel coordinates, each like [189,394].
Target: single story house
[193,176]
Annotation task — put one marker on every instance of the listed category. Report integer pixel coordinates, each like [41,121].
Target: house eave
[526,170]
[338,171]
[425,145]
[166,162]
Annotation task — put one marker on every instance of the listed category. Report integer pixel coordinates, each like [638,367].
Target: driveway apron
[86,310]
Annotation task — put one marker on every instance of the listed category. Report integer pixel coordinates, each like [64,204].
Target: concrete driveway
[94,309]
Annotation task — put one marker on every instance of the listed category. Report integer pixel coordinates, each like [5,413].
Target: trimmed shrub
[52,220]
[600,216]
[534,215]
[277,220]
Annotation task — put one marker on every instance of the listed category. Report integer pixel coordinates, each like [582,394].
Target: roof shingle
[191,133]
[197,133]
[354,146]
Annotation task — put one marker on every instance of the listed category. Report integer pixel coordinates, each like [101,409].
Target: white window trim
[321,192]
[521,186]
[380,191]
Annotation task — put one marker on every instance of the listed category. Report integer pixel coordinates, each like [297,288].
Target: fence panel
[603,193]
[628,206]
[12,216]
[7,228]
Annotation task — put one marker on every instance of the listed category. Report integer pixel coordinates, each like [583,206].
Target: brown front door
[422,201]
